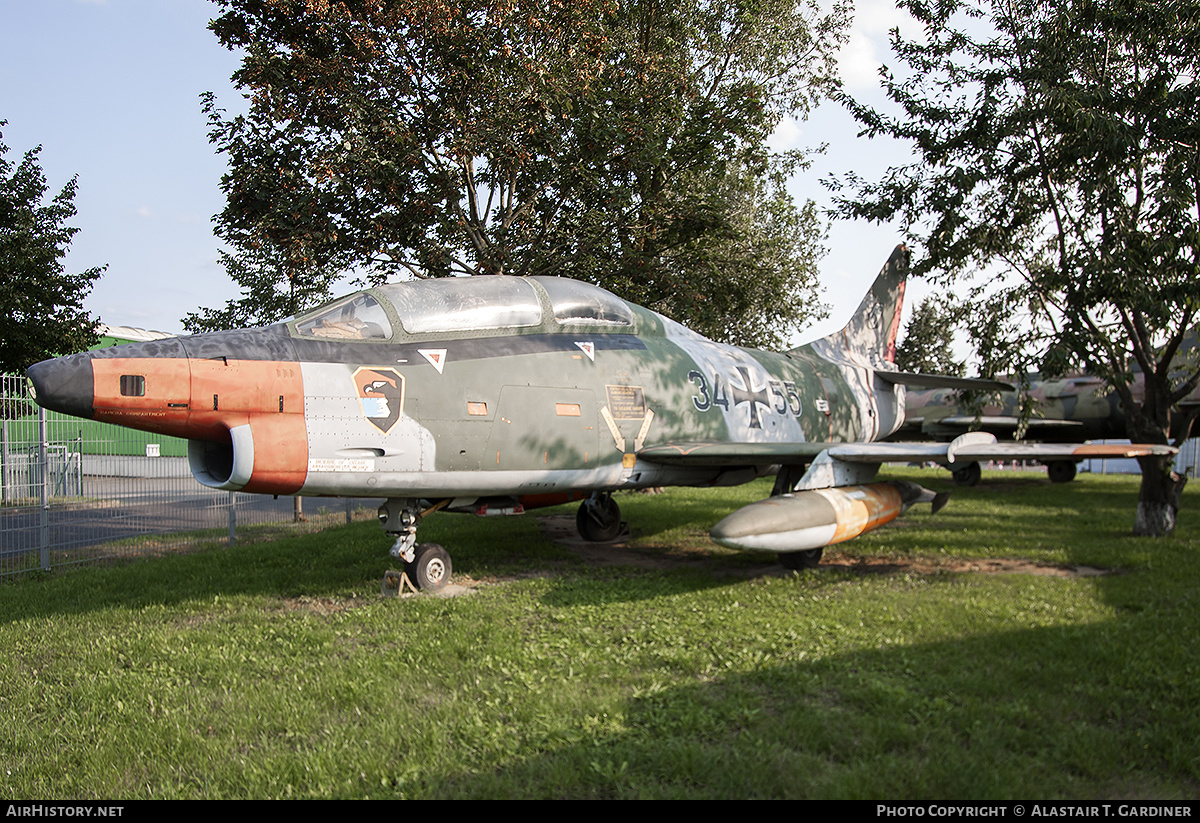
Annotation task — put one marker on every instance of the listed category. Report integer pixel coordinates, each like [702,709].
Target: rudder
[872,329]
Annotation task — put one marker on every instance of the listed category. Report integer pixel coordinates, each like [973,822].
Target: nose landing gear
[427,566]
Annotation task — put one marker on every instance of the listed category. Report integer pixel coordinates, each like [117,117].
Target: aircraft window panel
[133,385]
[577,302]
[464,303]
[360,318]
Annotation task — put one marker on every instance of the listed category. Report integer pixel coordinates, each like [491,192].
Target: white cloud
[868,45]
[789,134]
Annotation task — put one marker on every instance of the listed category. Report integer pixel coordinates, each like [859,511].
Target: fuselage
[449,388]
[1067,410]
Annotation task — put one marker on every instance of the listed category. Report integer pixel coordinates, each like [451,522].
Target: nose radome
[65,384]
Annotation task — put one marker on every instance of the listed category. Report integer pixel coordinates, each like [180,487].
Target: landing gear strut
[599,518]
[427,565]
[798,561]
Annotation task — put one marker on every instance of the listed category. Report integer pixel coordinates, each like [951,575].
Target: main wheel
[1061,471]
[968,475]
[598,519]
[430,569]
[798,561]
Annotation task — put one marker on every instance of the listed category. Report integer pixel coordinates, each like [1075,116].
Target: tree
[271,289]
[617,141]
[928,342]
[42,305]
[1058,178]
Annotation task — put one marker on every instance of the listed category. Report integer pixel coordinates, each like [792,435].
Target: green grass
[276,669]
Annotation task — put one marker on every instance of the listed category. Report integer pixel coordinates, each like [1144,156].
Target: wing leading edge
[974,446]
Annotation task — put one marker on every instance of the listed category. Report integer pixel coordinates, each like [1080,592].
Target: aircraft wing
[998,421]
[983,450]
[975,446]
[719,453]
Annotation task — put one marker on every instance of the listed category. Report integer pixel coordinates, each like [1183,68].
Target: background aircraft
[1068,409]
[493,395]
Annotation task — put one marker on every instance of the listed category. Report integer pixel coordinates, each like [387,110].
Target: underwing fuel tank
[821,517]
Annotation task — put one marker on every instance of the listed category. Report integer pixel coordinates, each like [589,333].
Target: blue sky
[110,90]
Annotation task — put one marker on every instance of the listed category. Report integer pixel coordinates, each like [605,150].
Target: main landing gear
[599,518]
[968,475]
[426,565]
[799,561]
[1061,471]
[785,483]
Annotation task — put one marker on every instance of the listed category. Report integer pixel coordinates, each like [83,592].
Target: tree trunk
[1158,497]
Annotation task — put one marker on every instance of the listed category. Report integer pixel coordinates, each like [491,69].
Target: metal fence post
[232,520]
[5,467]
[44,465]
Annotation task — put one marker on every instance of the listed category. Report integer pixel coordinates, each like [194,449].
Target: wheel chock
[394,584]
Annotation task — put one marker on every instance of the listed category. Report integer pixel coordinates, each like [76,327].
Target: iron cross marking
[751,396]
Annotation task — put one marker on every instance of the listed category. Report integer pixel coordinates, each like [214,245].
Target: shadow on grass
[331,563]
[1098,711]
[1107,710]
[840,686]
[1086,523]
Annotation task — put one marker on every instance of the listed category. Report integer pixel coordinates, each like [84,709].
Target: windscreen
[357,318]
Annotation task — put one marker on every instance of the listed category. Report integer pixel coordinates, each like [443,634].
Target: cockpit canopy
[464,304]
[357,318]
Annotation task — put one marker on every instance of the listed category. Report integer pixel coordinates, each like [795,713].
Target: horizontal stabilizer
[998,421]
[942,381]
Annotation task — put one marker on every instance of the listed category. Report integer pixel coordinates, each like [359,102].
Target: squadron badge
[381,395]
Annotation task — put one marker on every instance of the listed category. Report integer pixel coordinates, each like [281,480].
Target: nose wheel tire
[430,569]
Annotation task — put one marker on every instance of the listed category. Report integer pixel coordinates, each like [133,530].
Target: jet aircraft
[1072,408]
[493,395]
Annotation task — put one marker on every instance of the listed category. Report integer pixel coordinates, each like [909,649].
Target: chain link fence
[76,491]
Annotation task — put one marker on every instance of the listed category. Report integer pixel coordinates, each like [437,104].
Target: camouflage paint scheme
[1081,407]
[494,394]
[544,407]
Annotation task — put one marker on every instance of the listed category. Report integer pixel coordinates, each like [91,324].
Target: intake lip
[65,384]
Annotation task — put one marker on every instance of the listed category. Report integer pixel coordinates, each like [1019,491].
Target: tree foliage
[41,303]
[928,345]
[1058,153]
[618,141]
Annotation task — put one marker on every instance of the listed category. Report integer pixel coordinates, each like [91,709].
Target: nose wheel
[426,565]
[430,569]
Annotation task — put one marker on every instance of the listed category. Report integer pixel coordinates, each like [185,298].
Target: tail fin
[871,332]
